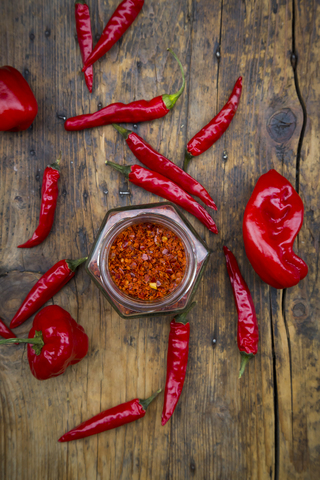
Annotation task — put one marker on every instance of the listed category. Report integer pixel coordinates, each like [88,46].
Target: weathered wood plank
[302,302]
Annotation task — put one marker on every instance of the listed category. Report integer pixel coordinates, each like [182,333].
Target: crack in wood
[294,64]
[218,69]
[275,401]
[283,310]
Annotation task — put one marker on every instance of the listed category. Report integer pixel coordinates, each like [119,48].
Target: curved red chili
[155,183]
[134,112]
[177,359]
[209,134]
[271,222]
[112,418]
[248,332]
[5,332]
[160,164]
[49,196]
[84,34]
[46,287]
[120,21]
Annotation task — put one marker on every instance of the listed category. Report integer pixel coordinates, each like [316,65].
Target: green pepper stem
[245,358]
[80,1]
[36,341]
[145,403]
[181,318]
[124,169]
[8,341]
[170,100]
[188,156]
[56,165]
[123,131]
[73,264]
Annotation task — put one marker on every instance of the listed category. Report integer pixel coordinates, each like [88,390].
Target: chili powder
[147,261]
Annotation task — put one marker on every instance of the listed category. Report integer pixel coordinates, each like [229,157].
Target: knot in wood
[281,125]
[299,310]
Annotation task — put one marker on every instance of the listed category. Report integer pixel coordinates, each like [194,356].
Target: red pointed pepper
[55,341]
[84,34]
[155,183]
[160,164]
[113,418]
[18,106]
[5,332]
[209,134]
[49,196]
[271,222]
[248,333]
[120,21]
[134,112]
[46,287]
[177,359]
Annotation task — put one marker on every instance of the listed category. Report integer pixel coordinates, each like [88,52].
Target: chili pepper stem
[56,165]
[188,156]
[181,318]
[37,341]
[245,358]
[124,169]
[145,403]
[73,264]
[123,131]
[170,100]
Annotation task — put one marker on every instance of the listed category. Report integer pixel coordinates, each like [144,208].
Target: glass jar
[167,215]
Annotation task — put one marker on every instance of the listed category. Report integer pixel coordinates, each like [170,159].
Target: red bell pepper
[272,220]
[55,341]
[18,106]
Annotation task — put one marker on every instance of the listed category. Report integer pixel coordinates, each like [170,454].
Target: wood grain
[265,426]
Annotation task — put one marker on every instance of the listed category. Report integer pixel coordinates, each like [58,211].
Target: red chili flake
[140,274]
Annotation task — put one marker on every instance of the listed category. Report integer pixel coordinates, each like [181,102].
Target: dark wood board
[264,426]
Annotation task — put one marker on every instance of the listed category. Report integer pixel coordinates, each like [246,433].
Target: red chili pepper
[49,196]
[134,112]
[160,164]
[5,332]
[209,134]
[46,287]
[83,25]
[113,418]
[155,183]
[120,21]
[177,359]
[55,341]
[248,333]
[18,106]
[272,220]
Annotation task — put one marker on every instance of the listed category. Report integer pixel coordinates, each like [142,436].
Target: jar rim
[136,303]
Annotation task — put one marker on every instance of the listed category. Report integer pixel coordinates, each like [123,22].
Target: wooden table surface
[264,426]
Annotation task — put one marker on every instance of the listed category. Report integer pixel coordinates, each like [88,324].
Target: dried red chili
[147,261]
